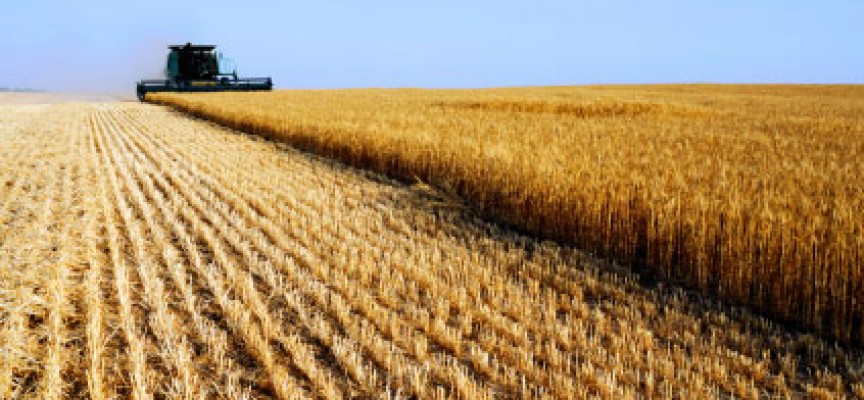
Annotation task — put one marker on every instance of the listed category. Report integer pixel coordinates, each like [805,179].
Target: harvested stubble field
[147,255]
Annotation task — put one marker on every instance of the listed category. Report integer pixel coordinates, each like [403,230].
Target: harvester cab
[199,68]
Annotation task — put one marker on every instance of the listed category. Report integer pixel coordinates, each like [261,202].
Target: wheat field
[145,255]
[749,193]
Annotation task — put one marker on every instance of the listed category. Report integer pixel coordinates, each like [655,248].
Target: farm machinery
[199,68]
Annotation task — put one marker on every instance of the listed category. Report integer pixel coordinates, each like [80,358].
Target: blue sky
[108,45]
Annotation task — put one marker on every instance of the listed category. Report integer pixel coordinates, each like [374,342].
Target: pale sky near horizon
[107,45]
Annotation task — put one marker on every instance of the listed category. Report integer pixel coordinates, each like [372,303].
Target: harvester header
[199,68]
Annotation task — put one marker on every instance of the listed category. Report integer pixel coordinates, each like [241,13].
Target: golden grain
[749,193]
[146,254]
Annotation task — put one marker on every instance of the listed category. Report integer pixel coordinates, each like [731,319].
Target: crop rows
[147,255]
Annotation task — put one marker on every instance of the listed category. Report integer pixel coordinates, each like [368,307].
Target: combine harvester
[199,68]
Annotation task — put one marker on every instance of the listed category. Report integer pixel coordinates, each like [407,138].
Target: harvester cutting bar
[161,85]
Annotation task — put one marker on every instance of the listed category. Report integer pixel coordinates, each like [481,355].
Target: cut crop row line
[239,205]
